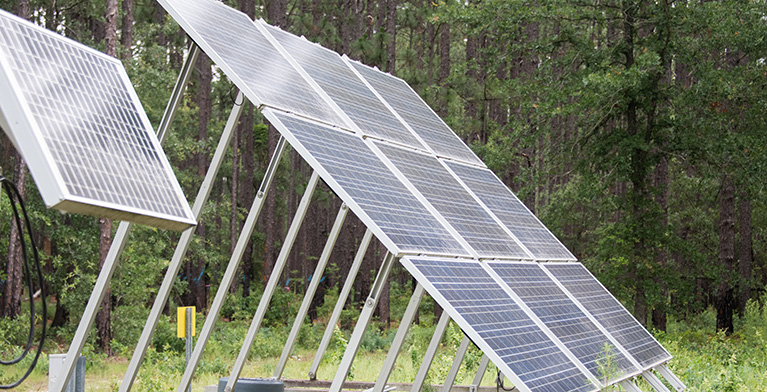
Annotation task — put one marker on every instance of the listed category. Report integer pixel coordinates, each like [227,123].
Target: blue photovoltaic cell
[587,290]
[507,207]
[417,114]
[563,317]
[349,92]
[473,295]
[452,201]
[247,57]
[101,144]
[371,185]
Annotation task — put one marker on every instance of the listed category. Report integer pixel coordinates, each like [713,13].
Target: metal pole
[399,339]
[675,382]
[431,351]
[319,270]
[362,324]
[654,381]
[279,265]
[629,386]
[481,370]
[342,296]
[181,249]
[189,338]
[456,366]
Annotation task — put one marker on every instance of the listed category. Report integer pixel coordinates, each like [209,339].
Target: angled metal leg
[342,297]
[279,265]
[121,238]
[181,248]
[311,290]
[481,370]
[456,366]
[431,351]
[629,386]
[399,339]
[654,381]
[672,379]
[362,324]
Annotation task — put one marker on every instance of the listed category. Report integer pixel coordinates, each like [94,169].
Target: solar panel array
[459,230]
[74,116]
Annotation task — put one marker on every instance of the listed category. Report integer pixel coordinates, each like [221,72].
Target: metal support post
[181,248]
[342,297]
[654,381]
[319,270]
[362,324]
[456,366]
[279,265]
[629,386]
[672,379]
[431,351]
[481,370]
[399,338]
[121,237]
[189,338]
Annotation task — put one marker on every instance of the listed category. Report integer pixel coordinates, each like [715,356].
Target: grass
[705,361]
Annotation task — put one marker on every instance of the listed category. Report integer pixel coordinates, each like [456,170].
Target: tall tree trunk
[277,12]
[196,276]
[745,249]
[444,69]
[126,37]
[104,316]
[11,304]
[661,184]
[22,9]
[391,30]
[724,294]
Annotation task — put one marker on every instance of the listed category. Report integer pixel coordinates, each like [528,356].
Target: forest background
[634,130]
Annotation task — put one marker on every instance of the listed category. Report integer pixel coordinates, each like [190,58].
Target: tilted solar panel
[348,91]
[73,115]
[246,55]
[610,313]
[363,181]
[417,114]
[449,198]
[494,321]
[507,207]
[563,317]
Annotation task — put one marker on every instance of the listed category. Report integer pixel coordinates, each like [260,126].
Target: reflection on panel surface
[477,303]
[90,126]
[371,185]
[609,312]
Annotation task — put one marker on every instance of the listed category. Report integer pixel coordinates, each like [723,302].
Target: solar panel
[587,290]
[74,116]
[363,181]
[417,114]
[494,321]
[247,57]
[447,195]
[347,90]
[507,207]
[563,317]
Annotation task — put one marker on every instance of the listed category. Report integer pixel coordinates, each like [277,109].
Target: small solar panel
[498,325]
[364,182]
[247,57]
[507,207]
[75,118]
[417,114]
[447,195]
[563,317]
[587,290]
[347,90]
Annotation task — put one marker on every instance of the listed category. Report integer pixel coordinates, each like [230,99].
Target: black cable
[15,197]
[499,383]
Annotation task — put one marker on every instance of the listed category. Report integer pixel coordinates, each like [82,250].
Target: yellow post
[181,323]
